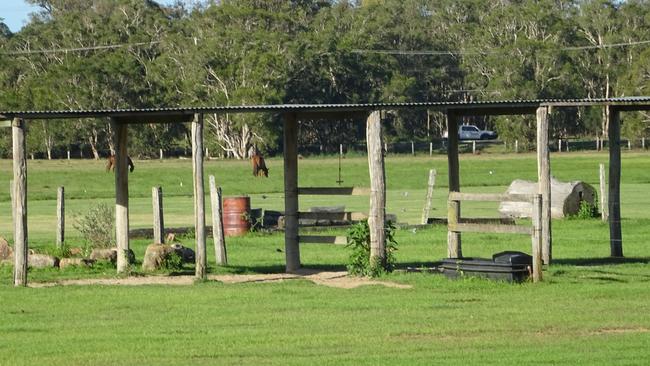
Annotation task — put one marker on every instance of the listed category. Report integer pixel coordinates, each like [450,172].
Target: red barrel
[236,215]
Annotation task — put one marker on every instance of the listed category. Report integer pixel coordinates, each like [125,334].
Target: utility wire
[79,49]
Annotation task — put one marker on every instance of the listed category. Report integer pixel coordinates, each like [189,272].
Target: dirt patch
[330,279]
[620,331]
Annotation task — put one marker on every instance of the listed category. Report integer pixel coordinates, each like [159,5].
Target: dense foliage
[233,52]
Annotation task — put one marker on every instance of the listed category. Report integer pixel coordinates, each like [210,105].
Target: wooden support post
[537,238]
[199,197]
[544,180]
[603,194]
[121,195]
[158,217]
[430,148]
[412,148]
[20,202]
[377,215]
[427,202]
[217,223]
[161,154]
[340,150]
[454,249]
[291,245]
[615,235]
[60,217]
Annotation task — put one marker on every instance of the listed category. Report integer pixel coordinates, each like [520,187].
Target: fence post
[19,207]
[537,238]
[629,144]
[430,148]
[217,223]
[643,143]
[516,146]
[377,214]
[158,218]
[199,197]
[68,154]
[341,150]
[474,147]
[603,194]
[597,143]
[60,217]
[427,202]
[559,145]
[412,148]
[161,154]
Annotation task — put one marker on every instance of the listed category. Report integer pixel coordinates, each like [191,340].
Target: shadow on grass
[282,269]
[601,261]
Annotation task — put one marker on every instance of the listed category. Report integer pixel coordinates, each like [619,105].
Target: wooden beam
[199,197]
[121,195]
[615,234]
[5,124]
[377,215]
[291,245]
[20,202]
[217,224]
[334,191]
[334,115]
[60,217]
[454,249]
[544,181]
[154,118]
[340,216]
[158,215]
[489,228]
[323,239]
[490,197]
[427,201]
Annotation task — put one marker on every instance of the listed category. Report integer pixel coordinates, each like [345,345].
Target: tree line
[79,54]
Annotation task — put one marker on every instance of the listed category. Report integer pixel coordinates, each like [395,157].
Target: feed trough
[504,266]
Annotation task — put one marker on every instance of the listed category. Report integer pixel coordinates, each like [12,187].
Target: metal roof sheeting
[484,107]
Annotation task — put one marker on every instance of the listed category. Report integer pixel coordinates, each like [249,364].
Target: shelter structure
[292,114]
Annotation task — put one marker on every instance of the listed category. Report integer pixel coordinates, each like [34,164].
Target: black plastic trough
[505,266]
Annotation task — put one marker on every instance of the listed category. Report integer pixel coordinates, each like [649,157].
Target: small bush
[173,262]
[359,240]
[586,211]
[97,226]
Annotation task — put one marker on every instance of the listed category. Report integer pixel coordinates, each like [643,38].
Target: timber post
[427,203]
[615,235]
[60,217]
[217,223]
[377,215]
[603,194]
[537,237]
[20,202]
[199,196]
[291,245]
[454,249]
[158,216]
[121,195]
[544,181]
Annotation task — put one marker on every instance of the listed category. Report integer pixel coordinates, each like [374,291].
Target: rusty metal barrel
[236,215]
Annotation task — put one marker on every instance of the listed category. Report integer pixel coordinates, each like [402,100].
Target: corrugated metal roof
[524,106]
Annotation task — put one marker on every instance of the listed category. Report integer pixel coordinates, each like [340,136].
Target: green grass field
[589,310]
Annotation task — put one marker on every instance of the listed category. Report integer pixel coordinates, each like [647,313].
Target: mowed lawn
[589,310]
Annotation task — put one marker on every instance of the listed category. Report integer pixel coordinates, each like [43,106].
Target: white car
[471,132]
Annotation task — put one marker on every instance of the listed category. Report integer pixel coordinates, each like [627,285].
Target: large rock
[110,254]
[156,255]
[76,262]
[565,198]
[6,252]
[35,260]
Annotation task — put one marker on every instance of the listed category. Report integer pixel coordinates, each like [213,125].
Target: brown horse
[110,163]
[259,166]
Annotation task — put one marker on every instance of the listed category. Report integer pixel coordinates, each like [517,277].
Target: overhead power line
[492,51]
[80,49]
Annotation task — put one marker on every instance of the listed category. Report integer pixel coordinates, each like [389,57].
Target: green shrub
[97,226]
[358,238]
[173,262]
[586,211]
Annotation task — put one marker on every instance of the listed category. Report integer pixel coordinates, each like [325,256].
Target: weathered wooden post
[121,195]
[454,249]
[544,179]
[427,202]
[68,154]
[474,147]
[20,202]
[430,148]
[161,154]
[291,245]
[537,237]
[412,148]
[559,145]
[629,144]
[199,196]
[642,143]
[340,150]
[158,217]
[516,146]
[217,223]
[60,217]
[615,235]
[603,194]
[377,215]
